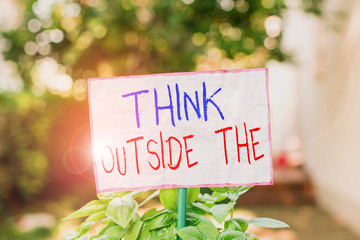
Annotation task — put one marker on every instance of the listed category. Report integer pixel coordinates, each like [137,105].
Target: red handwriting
[255,143]
[171,151]
[241,145]
[153,153]
[108,157]
[108,149]
[190,165]
[223,130]
[136,151]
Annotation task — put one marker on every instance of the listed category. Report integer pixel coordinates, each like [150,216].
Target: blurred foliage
[102,37]
[9,231]
[24,122]
[313,6]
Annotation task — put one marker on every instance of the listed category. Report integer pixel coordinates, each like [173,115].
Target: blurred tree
[60,43]
[90,38]
[313,6]
[24,122]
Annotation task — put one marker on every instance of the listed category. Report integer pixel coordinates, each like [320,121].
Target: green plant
[116,213]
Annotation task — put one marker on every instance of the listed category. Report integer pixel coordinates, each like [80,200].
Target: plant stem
[181,209]
[232,212]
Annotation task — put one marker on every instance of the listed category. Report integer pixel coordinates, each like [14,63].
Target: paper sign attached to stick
[198,129]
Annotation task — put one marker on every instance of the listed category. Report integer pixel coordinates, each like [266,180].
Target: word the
[239,145]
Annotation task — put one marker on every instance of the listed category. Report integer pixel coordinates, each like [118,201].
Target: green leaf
[251,236]
[82,238]
[231,235]
[121,210]
[111,195]
[218,189]
[110,232]
[171,232]
[192,219]
[232,196]
[166,233]
[205,197]
[238,224]
[169,198]
[232,225]
[133,231]
[232,193]
[243,190]
[106,221]
[220,211]
[209,205]
[150,214]
[213,198]
[111,224]
[193,208]
[191,233]
[99,238]
[202,207]
[96,216]
[88,209]
[135,217]
[161,221]
[114,232]
[191,195]
[219,197]
[71,236]
[207,228]
[144,233]
[85,227]
[268,223]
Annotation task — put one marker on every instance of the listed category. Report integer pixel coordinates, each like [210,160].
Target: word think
[200,109]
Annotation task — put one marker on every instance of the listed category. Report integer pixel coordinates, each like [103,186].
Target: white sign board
[197,129]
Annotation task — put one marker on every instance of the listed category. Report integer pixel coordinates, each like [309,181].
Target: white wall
[327,54]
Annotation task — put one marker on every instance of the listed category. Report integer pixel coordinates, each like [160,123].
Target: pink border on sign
[269,127]
[183,186]
[271,182]
[92,139]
